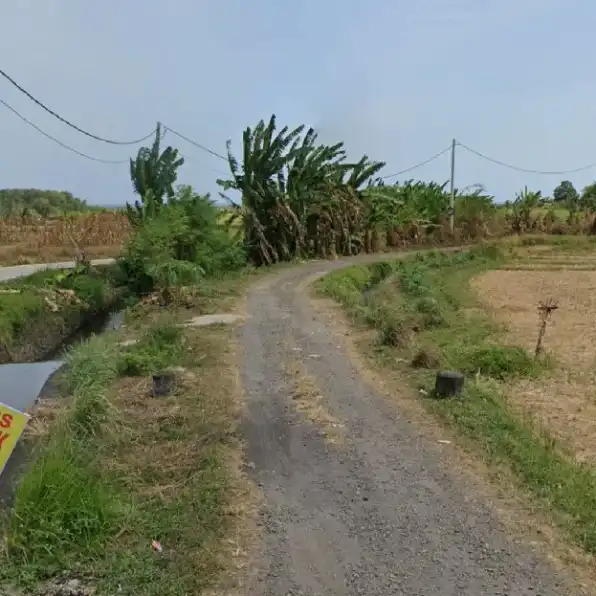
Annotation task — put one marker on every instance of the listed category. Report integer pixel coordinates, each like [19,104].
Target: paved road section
[15,271]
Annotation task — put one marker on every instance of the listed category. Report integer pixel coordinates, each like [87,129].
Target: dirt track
[378,515]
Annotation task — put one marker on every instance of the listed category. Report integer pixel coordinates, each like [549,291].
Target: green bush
[179,245]
[160,348]
[500,362]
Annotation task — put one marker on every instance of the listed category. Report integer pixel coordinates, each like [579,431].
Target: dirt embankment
[38,314]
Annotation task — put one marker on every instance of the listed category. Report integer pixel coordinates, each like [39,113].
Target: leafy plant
[565,194]
[179,245]
[298,198]
[153,174]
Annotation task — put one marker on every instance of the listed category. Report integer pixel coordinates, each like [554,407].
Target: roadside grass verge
[119,468]
[427,318]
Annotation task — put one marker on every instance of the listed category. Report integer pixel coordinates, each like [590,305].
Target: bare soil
[565,401]
[380,513]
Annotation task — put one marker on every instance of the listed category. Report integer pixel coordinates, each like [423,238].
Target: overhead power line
[222,157]
[526,170]
[45,134]
[67,122]
[418,165]
[198,145]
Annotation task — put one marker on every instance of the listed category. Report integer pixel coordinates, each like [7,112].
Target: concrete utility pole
[452,188]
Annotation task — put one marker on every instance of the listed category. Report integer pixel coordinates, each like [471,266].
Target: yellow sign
[12,424]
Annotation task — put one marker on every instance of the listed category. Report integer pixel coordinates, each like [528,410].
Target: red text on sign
[6,421]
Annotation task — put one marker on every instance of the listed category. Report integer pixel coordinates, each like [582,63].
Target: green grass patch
[119,468]
[159,348]
[428,317]
[37,312]
[64,507]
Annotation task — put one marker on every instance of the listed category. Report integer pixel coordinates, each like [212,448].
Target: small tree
[587,200]
[153,174]
[565,194]
[519,215]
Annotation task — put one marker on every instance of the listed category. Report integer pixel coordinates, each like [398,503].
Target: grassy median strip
[119,469]
[428,318]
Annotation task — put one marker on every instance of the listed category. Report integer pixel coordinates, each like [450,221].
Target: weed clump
[160,348]
[500,362]
[427,357]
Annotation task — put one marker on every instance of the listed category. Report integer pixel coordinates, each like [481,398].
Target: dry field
[564,401]
[30,240]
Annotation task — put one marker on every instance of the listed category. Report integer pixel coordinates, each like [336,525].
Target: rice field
[564,401]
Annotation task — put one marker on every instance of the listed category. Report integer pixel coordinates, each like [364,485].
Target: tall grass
[63,503]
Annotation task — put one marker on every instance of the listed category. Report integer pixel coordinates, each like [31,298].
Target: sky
[513,79]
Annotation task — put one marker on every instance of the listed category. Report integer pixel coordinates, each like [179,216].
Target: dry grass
[564,402]
[26,240]
[167,453]
[309,401]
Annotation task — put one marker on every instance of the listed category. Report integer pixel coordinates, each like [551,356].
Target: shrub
[432,315]
[179,245]
[500,362]
[160,348]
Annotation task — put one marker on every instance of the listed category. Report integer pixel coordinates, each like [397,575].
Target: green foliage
[153,174]
[62,503]
[474,208]
[160,348]
[587,201]
[565,194]
[24,202]
[500,362]
[179,245]
[19,310]
[416,202]
[299,198]
[519,213]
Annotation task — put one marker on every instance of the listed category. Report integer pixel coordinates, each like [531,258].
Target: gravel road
[379,515]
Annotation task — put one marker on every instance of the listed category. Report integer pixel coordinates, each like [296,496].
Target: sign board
[12,424]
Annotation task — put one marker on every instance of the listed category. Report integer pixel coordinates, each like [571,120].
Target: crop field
[24,240]
[564,402]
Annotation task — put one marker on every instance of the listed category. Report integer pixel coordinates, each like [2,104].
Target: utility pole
[452,189]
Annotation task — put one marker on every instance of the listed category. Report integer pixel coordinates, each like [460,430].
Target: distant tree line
[26,202]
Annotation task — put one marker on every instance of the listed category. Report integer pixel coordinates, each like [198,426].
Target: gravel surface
[379,515]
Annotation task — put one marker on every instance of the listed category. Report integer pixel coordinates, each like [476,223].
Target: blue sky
[396,80]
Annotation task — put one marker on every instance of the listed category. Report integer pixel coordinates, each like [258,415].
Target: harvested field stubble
[564,401]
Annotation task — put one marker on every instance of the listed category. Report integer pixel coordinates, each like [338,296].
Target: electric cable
[525,170]
[202,147]
[67,122]
[418,165]
[64,145]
